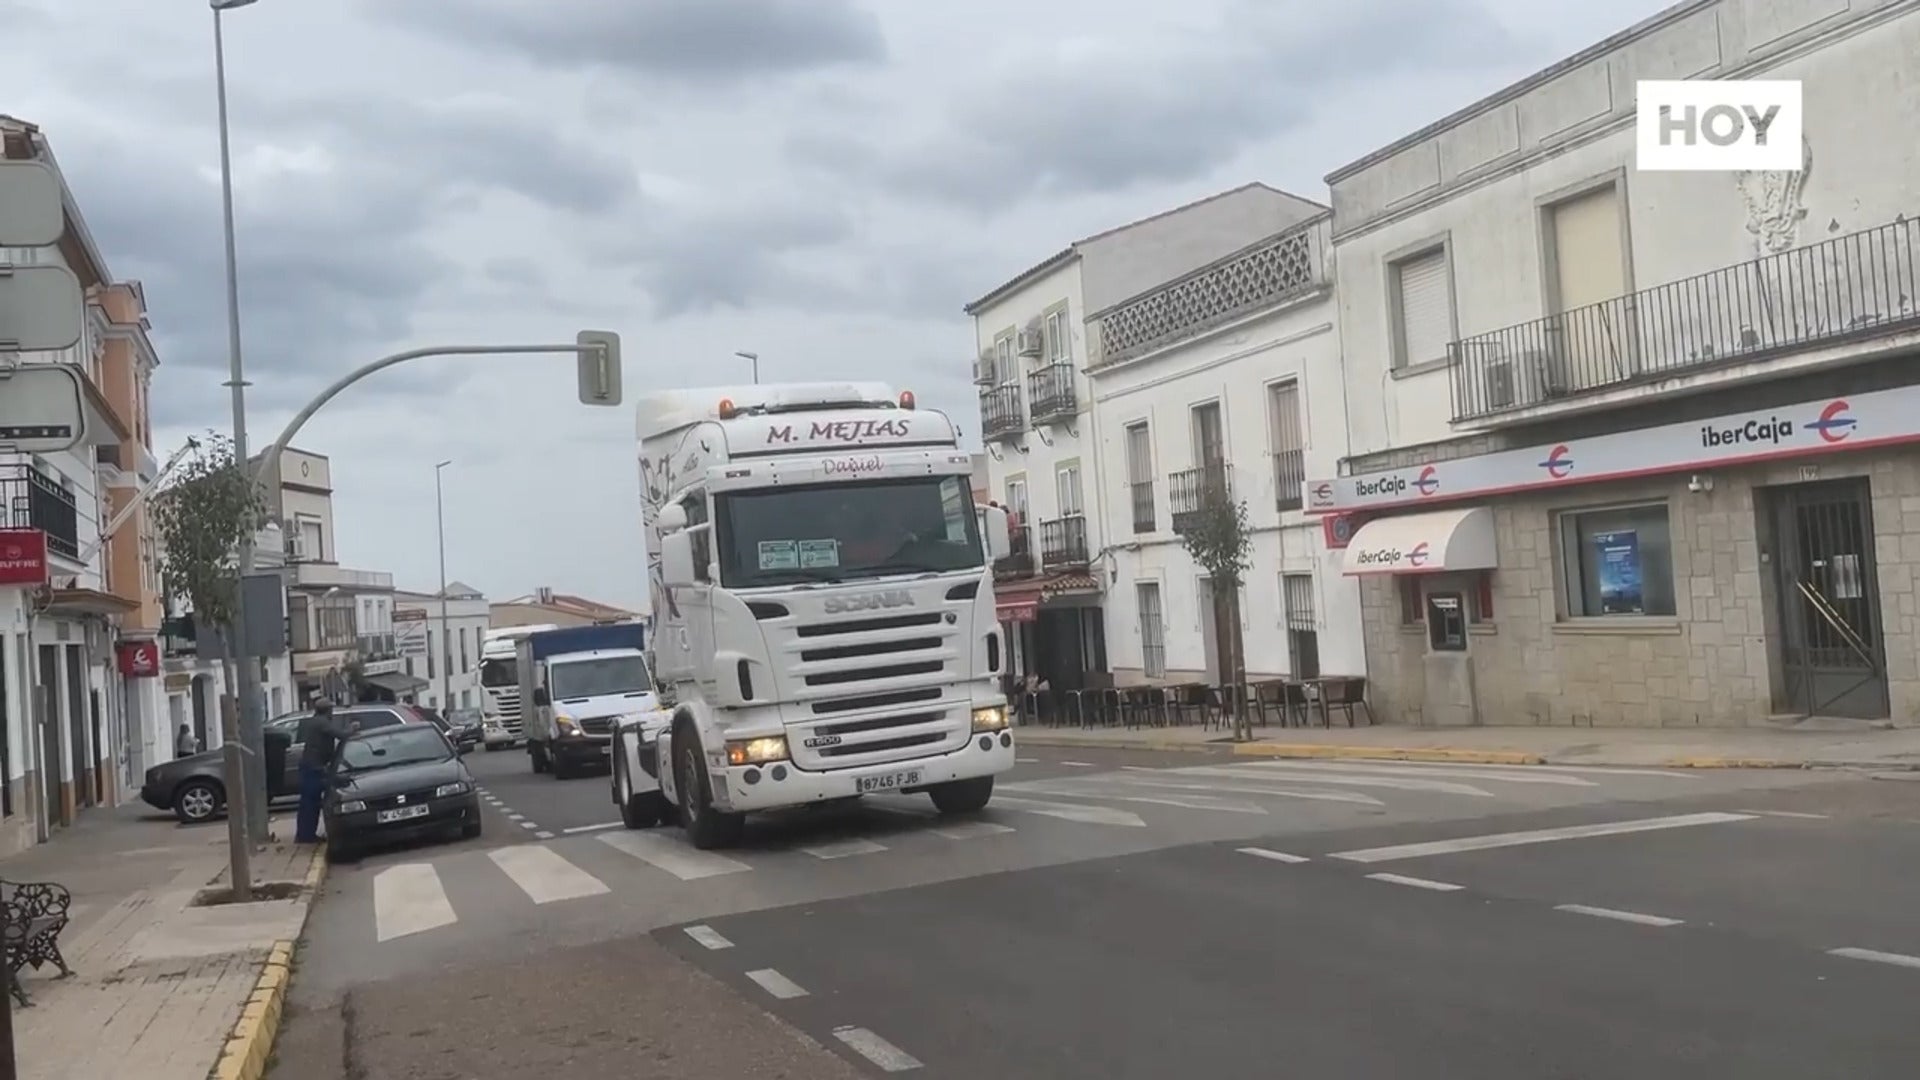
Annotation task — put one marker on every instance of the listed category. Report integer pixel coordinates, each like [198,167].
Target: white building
[1227,378]
[1032,347]
[450,629]
[1640,447]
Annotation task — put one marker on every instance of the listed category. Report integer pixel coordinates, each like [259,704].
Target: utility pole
[446,628]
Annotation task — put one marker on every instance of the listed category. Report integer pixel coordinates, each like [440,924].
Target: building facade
[545,607]
[1649,446]
[1032,344]
[442,644]
[1225,381]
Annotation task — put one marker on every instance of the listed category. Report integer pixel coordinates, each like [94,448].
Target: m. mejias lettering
[1772,430]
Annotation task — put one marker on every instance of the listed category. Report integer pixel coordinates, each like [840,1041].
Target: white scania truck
[823,614]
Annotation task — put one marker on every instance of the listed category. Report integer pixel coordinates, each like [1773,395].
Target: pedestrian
[320,736]
[184,744]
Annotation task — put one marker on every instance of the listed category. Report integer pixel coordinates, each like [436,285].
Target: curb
[1165,745]
[250,1045]
[1387,753]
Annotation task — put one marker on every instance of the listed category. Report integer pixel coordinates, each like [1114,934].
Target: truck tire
[538,752]
[706,827]
[637,811]
[962,796]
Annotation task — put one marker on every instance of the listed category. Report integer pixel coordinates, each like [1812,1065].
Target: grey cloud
[740,256]
[1174,110]
[688,41]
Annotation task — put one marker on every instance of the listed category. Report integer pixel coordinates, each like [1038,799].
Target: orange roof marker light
[727,411]
[906,400]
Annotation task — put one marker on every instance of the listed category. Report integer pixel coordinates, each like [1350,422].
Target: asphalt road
[1101,919]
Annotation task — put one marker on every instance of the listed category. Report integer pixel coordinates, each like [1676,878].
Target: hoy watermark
[1715,125]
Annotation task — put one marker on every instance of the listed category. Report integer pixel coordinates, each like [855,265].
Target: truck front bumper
[767,787]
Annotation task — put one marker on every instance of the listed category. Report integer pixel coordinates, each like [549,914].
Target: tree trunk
[1242,722]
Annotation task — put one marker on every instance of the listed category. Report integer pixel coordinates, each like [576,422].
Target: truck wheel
[962,796]
[538,753]
[641,811]
[706,827]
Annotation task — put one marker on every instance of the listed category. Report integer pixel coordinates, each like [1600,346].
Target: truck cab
[581,682]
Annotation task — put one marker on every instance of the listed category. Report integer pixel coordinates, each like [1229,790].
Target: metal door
[1831,650]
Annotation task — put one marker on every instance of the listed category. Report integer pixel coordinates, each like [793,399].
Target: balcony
[320,575]
[1019,560]
[1063,541]
[1289,474]
[1858,286]
[1051,391]
[30,499]
[1195,489]
[1141,495]
[1000,413]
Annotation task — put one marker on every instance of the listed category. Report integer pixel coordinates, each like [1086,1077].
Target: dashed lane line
[885,1055]
[1417,883]
[708,937]
[1276,856]
[776,984]
[1878,957]
[1619,916]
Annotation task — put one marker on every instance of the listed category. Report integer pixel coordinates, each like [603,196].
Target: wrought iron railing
[1251,280]
[30,499]
[1050,390]
[1018,561]
[1000,412]
[1859,285]
[1193,490]
[1144,519]
[1063,541]
[1289,473]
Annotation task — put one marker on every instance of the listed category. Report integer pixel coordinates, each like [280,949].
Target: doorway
[1826,599]
[77,727]
[46,706]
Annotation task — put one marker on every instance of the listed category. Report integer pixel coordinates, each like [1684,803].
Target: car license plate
[402,813]
[887,781]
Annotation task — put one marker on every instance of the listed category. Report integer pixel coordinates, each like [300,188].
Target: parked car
[195,787]
[469,726]
[398,782]
[463,737]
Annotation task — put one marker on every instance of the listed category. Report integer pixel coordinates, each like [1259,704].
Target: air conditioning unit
[984,373]
[296,543]
[1031,343]
[1549,375]
[1499,389]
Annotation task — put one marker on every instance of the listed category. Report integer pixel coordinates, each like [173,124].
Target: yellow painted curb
[250,1045]
[1388,753]
[1731,763]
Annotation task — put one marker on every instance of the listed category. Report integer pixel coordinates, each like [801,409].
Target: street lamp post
[446,629]
[754,359]
[245,671]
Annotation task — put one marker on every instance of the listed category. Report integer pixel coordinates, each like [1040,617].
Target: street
[1130,914]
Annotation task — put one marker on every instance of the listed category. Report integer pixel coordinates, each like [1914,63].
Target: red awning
[1021,609]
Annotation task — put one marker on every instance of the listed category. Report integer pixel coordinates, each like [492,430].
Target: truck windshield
[598,677]
[840,532]
[498,673]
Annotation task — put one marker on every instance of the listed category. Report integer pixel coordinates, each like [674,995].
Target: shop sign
[139,659]
[23,557]
[1828,425]
[1338,529]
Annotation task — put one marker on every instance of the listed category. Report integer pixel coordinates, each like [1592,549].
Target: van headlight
[991,718]
[567,724]
[757,751]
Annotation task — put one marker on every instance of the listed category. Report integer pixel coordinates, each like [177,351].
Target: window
[1059,338]
[431,650]
[1140,475]
[1288,440]
[1153,642]
[466,665]
[1617,561]
[1303,637]
[846,531]
[605,676]
[1017,501]
[1422,297]
[1067,487]
[1003,366]
[1209,435]
[695,504]
[308,541]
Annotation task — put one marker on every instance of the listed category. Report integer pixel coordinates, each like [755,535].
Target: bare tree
[1216,535]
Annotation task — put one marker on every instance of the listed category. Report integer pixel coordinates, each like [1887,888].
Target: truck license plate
[887,781]
[402,813]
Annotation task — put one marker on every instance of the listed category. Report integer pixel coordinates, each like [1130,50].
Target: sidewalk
[158,985]
[1753,748]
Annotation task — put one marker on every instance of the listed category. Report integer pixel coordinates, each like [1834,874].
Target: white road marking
[676,858]
[1603,770]
[776,984]
[1085,815]
[1506,776]
[544,875]
[1417,882]
[1026,761]
[543,835]
[1278,793]
[969,830]
[1397,783]
[1276,856]
[1079,764]
[708,937]
[1786,814]
[1878,957]
[1622,916]
[1535,836]
[1190,802]
[887,1056]
[528,825]
[592,828]
[840,849]
[408,899]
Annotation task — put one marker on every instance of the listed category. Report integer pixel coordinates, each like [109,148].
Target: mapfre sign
[23,557]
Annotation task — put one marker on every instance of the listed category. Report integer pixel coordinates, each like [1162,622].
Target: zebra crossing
[1030,822]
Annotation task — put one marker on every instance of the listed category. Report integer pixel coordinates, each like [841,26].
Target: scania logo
[892,598]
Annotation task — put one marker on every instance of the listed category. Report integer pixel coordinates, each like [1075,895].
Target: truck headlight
[458,787]
[567,724]
[757,751]
[991,718]
[351,806]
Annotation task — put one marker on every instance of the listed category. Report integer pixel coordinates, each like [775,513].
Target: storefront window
[1617,561]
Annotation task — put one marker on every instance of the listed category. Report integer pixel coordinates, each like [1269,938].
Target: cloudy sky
[824,182]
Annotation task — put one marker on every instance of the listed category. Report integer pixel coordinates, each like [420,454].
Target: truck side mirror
[676,560]
[999,540]
[541,697]
[671,519]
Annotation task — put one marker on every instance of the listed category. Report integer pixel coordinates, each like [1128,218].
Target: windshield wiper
[909,568]
[793,577]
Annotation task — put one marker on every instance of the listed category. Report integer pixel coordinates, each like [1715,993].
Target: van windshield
[844,532]
[598,677]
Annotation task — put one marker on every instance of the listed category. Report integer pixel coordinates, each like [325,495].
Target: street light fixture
[446,631]
[752,357]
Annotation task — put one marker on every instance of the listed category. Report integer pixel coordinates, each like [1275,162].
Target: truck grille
[506,704]
[599,725]
[850,669]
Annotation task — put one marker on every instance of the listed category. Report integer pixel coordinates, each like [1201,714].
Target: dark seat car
[397,782]
[195,787]
[462,735]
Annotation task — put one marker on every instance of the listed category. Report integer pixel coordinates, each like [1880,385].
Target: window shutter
[1426,308]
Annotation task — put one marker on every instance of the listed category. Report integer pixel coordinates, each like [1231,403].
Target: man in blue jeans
[320,736]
